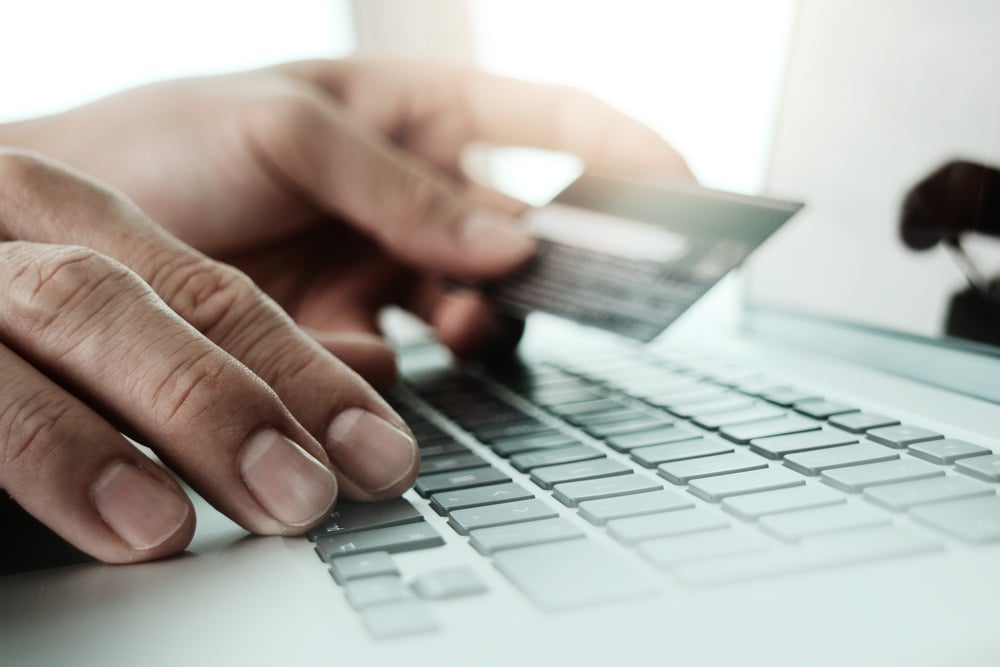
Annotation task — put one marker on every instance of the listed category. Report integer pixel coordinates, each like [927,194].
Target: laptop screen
[889,131]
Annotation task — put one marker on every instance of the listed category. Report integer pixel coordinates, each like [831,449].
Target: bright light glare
[60,53]
[706,74]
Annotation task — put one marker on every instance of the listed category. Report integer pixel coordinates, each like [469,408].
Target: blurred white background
[59,53]
[704,74]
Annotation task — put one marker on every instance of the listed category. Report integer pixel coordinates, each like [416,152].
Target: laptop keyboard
[711,473]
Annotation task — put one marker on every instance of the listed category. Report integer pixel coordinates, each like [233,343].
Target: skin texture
[199,264]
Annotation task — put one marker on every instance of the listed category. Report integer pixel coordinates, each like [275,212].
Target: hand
[110,325]
[337,186]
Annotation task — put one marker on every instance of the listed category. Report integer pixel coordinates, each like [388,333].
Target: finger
[472,328]
[369,355]
[372,450]
[485,196]
[465,322]
[75,473]
[353,172]
[93,324]
[450,106]
[520,113]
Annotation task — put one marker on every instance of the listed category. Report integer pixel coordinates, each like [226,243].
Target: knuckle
[63,283]
[210,295]
[288,366]
[196,384]
[288,116]
[31,428]
[18,167]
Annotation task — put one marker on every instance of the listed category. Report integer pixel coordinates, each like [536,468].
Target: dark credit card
[630,256]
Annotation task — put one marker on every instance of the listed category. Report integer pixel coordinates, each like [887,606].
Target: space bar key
[570,574]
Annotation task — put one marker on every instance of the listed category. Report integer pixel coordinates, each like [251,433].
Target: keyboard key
[715,489]
[674,400]
[451,481]
[490,540]
[510,429]
[714,407]
[450,463]
[454,582]
[794,526]
[449,501]
[903,496]
[348,517]
[572,494]
[359,566]
[549,476]
[474,420]
[531,443]
[787,396]
[392,539]
[976,520]
[813,463]
[645,527]
[441,448]
[821,409]
[660,436]
[530,460]
[668,552]
[370,591]
[754,506]
[398,619]
[682,472]
[816,553]
[644,422]
[553,396]
[757,413]
[859,422]
[744,433]
[902,436]
[983,467]
[947,451]
[587,407]
[859,478]
[570,574]
[599,512]
[778,446]
[498,515]
[651,457]
[595,420]
[671,388]
[757,385]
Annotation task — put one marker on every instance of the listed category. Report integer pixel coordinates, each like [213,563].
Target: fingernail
[371,451]
[140,508]
[294,487]
[497,234]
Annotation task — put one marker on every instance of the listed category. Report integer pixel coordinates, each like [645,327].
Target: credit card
[631,256]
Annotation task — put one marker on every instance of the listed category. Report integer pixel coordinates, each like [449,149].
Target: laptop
[802,470]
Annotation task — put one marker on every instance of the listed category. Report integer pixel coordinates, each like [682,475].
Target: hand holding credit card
[631,256]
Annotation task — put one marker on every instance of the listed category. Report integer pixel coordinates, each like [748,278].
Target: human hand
[337,185]
[110,325]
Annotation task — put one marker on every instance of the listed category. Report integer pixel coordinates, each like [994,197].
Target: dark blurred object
[957,198]
[29,545]
[975,315]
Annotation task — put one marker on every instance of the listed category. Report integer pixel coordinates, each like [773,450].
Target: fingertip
[376,452]
[148,512]
[470,327]
[493,243]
